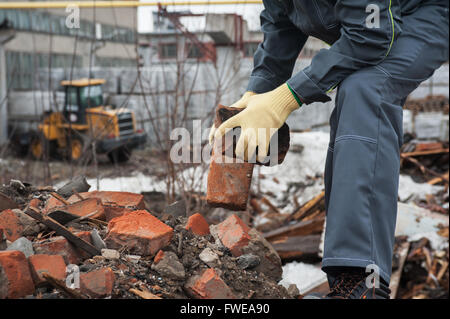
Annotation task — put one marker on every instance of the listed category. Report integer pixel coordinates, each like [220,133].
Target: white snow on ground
[297,167]
[135,184]
[410,191]
[416,222]
[305,276]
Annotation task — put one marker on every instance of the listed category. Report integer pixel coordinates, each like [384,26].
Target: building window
[168,50]
[30,20]
[194,51]
[250,48]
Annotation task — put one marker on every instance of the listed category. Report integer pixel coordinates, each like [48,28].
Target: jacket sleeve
[275,57]
[360,45]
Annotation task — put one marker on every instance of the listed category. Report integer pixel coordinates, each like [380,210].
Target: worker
[380,51]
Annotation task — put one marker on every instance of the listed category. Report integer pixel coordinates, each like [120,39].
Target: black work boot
[351,284]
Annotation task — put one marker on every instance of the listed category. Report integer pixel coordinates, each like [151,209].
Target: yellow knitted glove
[240,104]
[264,115]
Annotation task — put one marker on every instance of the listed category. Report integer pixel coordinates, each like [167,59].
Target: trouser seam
[355,137]
[371,196]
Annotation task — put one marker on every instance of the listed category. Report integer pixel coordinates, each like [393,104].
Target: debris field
[70,244]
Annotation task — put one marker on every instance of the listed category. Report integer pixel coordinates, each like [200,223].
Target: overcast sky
[250,12]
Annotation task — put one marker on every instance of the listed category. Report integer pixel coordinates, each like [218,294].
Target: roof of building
[83,82]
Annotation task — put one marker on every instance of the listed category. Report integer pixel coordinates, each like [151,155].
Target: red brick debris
[234,234]
[54,265]
[136,254]
[11,225]
[140,231]
[61,246]
[229,180]
[209,285]
[18,277]
[98,283]
[197,224]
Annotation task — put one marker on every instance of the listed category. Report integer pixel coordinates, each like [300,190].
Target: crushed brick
[61,246]
[54,265]
[208,285]
[97,283]
[198,225]
[11,225]
[15,266]
[234,234]
[139,231]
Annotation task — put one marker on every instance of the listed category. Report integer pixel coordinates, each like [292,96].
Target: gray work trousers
[363,162]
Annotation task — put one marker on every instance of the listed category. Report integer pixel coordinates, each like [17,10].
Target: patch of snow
[305,276]
[410,191]
[417,222]
[134,184]
[298,168]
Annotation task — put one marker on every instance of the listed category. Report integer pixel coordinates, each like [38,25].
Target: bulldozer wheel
[75,149]
[38,147]
[120,155]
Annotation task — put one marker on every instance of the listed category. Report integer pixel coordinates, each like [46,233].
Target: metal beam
[114,4]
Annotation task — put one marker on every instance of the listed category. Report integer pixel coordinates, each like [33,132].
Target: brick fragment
[53,265]
[198,225]
[208,285]
[228,183]
[35,202]
[85,207]
[228,180]
[139,231]
[61,246]
[97,283]
[15,267]
[234,234]
[115,203]
[11,224]
[158,257]
[52,203]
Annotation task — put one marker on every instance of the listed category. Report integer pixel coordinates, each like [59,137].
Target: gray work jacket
[350,28]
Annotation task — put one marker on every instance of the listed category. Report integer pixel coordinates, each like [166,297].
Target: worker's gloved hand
[242,103]
[263,116]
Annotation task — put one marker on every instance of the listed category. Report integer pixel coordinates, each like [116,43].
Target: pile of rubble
[431,103]
[76,244]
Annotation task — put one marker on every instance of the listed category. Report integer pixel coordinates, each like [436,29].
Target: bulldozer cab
[81,95]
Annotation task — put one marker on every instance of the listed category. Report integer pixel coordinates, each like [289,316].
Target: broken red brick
[61,246]
[53,265]
[97,283]
[15,266]
[139,231]
[234,234]
[85,207]
[115,203]
[208,285]
[35,202]
[198,225]
[11,225]
[52,203]
[228,180]
[158,257]
[228,183]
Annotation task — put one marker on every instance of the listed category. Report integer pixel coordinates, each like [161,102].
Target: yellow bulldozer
[85,125]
